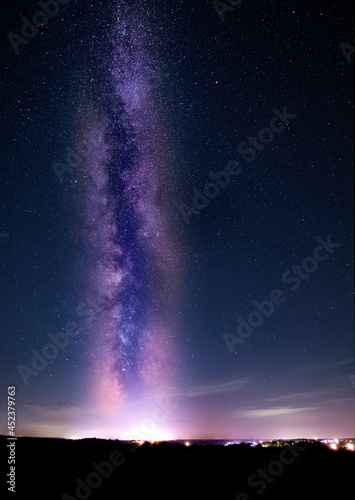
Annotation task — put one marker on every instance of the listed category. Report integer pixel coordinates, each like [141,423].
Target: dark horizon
[104,469]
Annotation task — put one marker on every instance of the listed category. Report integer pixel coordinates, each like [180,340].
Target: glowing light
[334,446]
[187,443]
[160,436]
[151,437]
[350,446]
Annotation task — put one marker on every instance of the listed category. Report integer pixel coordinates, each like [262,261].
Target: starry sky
[176,228]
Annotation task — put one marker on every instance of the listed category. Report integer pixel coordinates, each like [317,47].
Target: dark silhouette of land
[59,469]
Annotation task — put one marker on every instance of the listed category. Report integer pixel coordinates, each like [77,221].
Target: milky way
[126,211]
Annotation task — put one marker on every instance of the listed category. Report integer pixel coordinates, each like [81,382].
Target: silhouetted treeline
[58,469]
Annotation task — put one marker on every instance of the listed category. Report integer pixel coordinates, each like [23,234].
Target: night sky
[176,229]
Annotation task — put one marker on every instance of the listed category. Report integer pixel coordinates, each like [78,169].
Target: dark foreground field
[55,469]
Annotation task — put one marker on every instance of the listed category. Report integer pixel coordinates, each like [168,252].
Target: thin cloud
[219,386]
[52,407]
[346,362]
[273,412]
[312,394]
[319,395]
